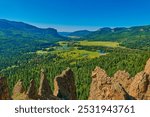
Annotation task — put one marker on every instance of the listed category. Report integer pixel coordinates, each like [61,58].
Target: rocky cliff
[119,87]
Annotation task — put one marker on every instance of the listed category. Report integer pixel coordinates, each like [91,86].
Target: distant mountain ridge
[27,29]
[80,33]
[134,37]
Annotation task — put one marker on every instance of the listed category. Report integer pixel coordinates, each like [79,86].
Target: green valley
[25,50]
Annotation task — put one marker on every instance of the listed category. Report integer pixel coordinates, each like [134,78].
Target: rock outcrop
[139,86]
[32,93]
[4,92]
[123,78]
[44,91]
[19,92]
[147,67]
[64,85]
[121,85]
[104,88]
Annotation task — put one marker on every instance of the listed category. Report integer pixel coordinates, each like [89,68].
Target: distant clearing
[99,43]
[77,54]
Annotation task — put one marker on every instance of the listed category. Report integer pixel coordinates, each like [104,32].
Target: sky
[71,15]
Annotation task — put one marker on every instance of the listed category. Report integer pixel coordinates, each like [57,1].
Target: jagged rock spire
[32,93]
[19,92]
[64,85]
[147,67]
[121,86]
[104,88]
[18,88]
[4,92]
[44,90]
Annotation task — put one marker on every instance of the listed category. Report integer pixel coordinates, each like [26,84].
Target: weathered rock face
[147,67]
[19,92]
[64,85]
[18,88]
[123,78]
[147,95]
[103,87]
[32,93]
[121,86]
[45,91]
[139,86]
[4,92]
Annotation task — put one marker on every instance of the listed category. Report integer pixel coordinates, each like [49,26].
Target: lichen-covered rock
[64,85]
[4,92]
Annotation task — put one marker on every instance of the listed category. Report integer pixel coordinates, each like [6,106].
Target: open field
[69,49]
[77,54]
[99,43]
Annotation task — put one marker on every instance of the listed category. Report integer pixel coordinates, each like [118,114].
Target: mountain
[64,33]
[19,36]
[20,29]
[133,37]
[80,33]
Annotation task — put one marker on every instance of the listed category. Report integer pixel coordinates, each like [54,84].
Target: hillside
[134,37]
[80,33]
[18,38]
[26,49]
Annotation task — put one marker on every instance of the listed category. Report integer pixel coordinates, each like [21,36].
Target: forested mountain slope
[80,33]
[133,37]
[18,38]
[14,35]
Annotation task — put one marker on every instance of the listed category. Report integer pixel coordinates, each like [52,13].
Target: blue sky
[70,15]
